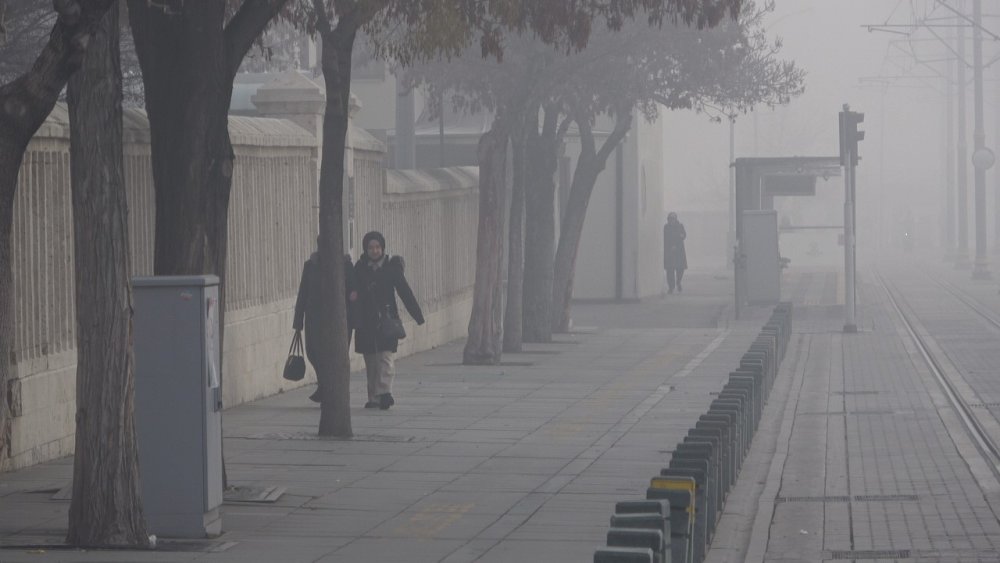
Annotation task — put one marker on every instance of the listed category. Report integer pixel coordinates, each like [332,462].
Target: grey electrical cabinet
[763,265]
[178,403]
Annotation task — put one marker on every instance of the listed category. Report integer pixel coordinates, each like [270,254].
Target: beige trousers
[380,369]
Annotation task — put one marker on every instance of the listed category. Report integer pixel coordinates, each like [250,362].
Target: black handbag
[390,327]
[295,365]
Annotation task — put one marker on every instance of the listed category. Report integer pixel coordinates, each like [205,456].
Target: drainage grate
[883,498]
[253,494]
[844,498]
[856,393]
[813,499]
[849,413]
[984,405]
[871,554]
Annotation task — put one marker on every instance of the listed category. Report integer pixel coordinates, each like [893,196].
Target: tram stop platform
[857,453]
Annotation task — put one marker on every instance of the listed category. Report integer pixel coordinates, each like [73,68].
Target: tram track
[948,376]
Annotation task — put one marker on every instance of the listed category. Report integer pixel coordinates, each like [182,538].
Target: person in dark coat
[380,277]
[307,312]
[674,256]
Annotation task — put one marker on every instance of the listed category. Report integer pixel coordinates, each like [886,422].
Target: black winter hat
[372,235]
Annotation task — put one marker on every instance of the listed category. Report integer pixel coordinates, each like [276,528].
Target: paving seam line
[760,530]
[697,360]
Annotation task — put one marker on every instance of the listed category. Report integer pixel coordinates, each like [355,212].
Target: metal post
[731,236]
[949,160]
[962,259]
[849,322]
[981,269]
[996,177]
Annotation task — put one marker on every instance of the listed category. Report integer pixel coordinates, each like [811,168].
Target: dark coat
[307,303]
[377,291]
[674,256]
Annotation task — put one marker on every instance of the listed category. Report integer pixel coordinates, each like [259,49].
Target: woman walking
[380,277]
[674,256]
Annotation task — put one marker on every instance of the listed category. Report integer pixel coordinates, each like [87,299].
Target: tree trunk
[24,105]
[540,236]
[584,178]
[484,345]
[513,317]
[106,508]
[189,57]
[335,409]
[588,166]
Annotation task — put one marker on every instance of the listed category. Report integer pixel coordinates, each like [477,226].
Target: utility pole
[982,157]
[962,258]
[949,163]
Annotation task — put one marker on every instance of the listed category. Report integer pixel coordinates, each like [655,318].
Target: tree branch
[28,100]
[623,122]
[586,136]
[244,28]
[322,19]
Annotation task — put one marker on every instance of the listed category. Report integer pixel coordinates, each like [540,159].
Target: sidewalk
[859,456]
[517,462]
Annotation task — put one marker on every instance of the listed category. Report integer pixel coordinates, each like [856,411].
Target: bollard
[694,457]
[644,521]
[707,429]
[733,404]
[747,383]
[661,507]
[725,421]
[746,409]
[638,537]
[700,515]
[623,555]
[746,389]
[681,493]
[706,442]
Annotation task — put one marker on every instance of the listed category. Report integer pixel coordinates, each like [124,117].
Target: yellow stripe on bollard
[676,484]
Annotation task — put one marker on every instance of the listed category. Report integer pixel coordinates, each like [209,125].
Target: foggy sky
[903,152]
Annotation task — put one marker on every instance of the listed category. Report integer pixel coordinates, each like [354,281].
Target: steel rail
[986,445]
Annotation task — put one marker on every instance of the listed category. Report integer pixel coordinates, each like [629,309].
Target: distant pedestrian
[380,277]
[674,256]
[307,313]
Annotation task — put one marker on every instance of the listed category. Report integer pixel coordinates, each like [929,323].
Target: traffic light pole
[849,137]
[850,325]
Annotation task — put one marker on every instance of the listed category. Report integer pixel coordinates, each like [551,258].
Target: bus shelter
[757,182]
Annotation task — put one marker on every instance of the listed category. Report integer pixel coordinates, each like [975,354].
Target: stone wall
[429,217]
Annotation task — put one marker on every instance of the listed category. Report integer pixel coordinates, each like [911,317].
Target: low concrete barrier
[705,465]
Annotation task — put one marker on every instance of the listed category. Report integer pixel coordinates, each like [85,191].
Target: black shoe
[679,288]
[317,396]
[385,401]
[372,405]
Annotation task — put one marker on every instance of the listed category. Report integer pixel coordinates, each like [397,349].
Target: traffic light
[850,135]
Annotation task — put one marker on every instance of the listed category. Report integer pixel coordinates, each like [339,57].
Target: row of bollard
[676,523]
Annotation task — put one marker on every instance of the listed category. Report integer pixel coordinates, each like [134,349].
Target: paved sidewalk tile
[517,462]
